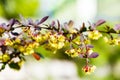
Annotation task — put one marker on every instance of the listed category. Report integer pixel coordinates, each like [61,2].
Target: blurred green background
[108,62]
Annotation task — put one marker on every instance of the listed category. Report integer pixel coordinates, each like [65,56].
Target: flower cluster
[88,69]
[21,37]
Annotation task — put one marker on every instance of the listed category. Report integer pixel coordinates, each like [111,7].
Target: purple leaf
[92,26]
[12,22]
[66,26]
[23,21]
[100,22]
[58,23]
[4,26]
[30,22]
[53,23]
[117,27]
[90,46]
[93,55]
[36,22]
[43,20]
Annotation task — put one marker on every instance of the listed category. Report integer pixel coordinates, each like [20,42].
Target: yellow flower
[112,42]
[35,45]
[28,52]
[53,38]
[40,37]
[87,41]
[77,40]
[73,31]
[8,42]
[60,45]
[94,35]
[56,41]
[17,40]
[73,52]
[0,57]
[20,63]
[1,30]
[21,48]
[106,39]
[37,38]
[61,38]
[5,57]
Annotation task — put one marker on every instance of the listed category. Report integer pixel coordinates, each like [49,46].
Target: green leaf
[112,30]
[14,66]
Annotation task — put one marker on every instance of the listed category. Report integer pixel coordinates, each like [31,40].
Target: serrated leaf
[14,66]
[93,55]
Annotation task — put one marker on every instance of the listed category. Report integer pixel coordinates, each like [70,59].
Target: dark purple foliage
[52,23]
[43,20]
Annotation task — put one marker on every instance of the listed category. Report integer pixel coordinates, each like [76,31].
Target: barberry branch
[53,36]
